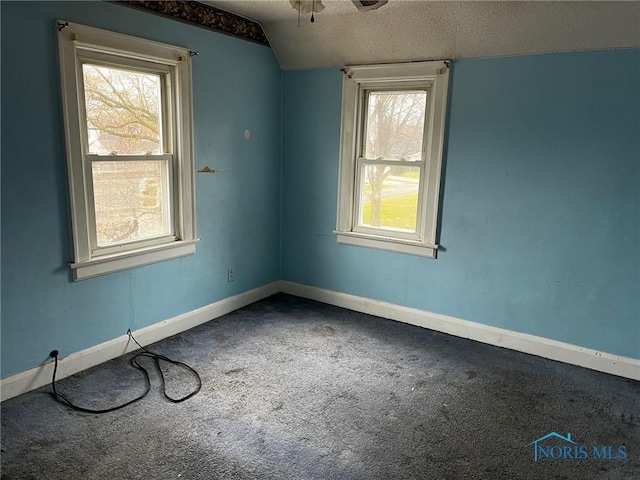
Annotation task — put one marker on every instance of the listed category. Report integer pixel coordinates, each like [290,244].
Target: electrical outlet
[230,275]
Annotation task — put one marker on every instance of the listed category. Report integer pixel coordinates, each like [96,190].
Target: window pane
[132,200]
[123,111]
[395,125]
[389,197]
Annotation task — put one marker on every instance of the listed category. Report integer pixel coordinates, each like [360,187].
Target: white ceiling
[405,30]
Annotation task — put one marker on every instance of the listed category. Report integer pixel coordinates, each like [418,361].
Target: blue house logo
[565,448]
[547,453]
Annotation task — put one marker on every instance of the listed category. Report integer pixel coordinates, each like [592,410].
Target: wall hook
[62,25]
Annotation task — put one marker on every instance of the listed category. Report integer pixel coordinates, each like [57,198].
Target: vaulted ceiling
[406,30]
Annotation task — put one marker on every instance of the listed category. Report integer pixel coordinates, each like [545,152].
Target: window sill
[408,247]
[134,258]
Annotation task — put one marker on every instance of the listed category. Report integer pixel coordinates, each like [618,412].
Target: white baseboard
[522,342]
[37,377]
[543,347]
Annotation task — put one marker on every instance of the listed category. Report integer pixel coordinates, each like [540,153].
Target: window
[128,122]
[393,120]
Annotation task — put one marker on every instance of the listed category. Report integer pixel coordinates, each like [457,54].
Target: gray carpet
[294,389]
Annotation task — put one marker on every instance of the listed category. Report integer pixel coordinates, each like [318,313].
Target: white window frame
[77,44]
[433,76]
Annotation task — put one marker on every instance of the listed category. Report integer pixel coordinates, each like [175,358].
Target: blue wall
[237,86]
[540,213]
[541,206]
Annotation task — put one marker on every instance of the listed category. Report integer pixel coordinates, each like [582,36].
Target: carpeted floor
[294,389]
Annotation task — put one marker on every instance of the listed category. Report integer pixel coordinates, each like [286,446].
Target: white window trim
[73,40]
[435,74]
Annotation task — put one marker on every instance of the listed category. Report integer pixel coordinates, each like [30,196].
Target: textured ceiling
[405,30]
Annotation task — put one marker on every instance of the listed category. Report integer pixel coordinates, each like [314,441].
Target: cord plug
[54,353]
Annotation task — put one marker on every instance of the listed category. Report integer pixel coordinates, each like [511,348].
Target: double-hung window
[393,119]
[128,121]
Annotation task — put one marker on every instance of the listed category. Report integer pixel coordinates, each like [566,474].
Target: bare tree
[395,126]
[123,110]
[123,114]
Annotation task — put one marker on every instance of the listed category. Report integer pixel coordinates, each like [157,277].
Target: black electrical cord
[157,358]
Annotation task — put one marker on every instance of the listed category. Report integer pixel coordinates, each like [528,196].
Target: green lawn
[398,212]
